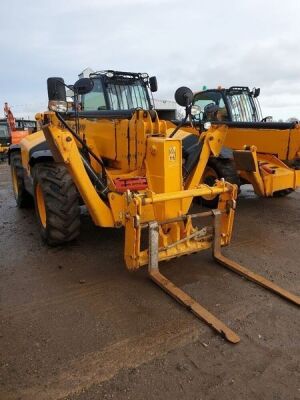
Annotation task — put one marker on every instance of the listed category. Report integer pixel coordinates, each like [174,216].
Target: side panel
[164,173]
[294,147]
[100,136]
[267,141]
[27,145]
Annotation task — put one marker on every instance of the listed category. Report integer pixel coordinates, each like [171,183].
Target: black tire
[55,191]
[221,168]
[23,198]
[283,193]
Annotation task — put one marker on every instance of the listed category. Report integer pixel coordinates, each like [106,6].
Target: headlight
[58,106]
[109,74]
[207,126]
[195,110]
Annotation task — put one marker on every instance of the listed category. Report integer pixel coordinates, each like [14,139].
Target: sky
[184,43]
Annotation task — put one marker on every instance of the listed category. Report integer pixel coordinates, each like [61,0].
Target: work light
[58,106]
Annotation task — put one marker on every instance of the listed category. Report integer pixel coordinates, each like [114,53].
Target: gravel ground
[76,325]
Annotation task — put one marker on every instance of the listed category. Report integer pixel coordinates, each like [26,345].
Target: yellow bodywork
[140,147]
[284,144]
[269,150]
[268,175]
[3,150]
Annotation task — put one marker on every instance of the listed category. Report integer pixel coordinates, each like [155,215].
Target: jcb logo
[172,153]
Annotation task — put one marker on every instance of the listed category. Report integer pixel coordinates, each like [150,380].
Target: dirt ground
[76,325]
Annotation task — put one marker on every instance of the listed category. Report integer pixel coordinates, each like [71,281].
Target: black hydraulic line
[178,127]
[95,178]
[182,122]
[99,183]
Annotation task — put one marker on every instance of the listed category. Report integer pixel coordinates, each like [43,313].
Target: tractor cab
[236,104]
[5,139]
[119,91]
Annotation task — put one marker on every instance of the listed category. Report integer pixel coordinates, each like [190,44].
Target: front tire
[23,198]
[218,168]
[56,203]
[283,192]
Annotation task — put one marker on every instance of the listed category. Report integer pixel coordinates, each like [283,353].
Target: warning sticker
[172,153]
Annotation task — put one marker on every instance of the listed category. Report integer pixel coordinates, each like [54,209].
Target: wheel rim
[41,207]
[15,181]
[209,178]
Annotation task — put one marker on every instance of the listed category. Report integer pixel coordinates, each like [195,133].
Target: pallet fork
[186,300]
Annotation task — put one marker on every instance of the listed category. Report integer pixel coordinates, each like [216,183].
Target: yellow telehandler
[256,150]
[5,139]
[113,154]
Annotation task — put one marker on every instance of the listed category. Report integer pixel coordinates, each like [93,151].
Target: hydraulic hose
[98,181]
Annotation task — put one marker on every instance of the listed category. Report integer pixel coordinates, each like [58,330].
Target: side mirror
[56,89]
[153,84]
[83,86]
[57,95]
[269,118]
[256,92]
[184,96]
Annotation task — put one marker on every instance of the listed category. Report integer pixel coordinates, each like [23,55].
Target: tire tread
[62,203]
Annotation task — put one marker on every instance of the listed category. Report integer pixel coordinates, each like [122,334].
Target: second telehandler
[256,150]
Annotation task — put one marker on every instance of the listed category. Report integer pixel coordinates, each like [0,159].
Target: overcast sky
[191,43]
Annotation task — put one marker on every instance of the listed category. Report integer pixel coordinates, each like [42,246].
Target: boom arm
[10,118]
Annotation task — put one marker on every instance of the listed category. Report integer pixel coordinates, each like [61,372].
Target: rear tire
[56,203]
[23,198]
[283,193]
[218,168]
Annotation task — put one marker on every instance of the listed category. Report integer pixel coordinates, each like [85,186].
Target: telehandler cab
[256,150]
[114,154]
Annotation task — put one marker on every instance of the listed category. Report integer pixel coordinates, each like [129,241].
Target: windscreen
[116,94]
[124,95]
[243,108]
[206,98]
[4,131]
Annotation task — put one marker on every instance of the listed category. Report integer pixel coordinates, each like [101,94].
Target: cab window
[125,96]
[205,98]
[4,131]
[94,100]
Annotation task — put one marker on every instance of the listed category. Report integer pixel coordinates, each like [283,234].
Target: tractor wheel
[56,203]
[23,198]
[218,168]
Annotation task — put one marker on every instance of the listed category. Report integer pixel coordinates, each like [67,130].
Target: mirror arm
[183,121]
